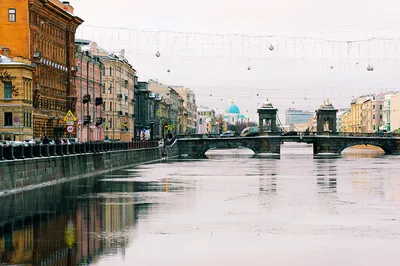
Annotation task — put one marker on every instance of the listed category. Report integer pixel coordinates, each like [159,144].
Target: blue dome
[232,109]
[241,117]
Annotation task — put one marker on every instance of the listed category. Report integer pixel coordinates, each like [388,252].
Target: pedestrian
[45,141]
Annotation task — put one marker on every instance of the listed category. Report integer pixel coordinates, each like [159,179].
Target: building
[386,113]
[118,94]
[43,31]
[343,120]
[171,104]
[88,84]
[16,79]
[189,121]
[145,111]
[232,114]
[295,117]
[206,121]
[395,113]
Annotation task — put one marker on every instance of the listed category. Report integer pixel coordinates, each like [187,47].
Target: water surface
[229,209]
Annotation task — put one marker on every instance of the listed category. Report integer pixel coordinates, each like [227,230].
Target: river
[229,209]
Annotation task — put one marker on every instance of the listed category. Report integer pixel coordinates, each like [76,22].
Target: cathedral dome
[232,109]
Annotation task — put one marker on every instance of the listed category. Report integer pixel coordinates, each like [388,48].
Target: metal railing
[294,133]
[37,151]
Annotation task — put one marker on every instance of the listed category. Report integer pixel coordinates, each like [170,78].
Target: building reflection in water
[74,226]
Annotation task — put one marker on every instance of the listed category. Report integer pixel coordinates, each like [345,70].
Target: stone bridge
[197,146]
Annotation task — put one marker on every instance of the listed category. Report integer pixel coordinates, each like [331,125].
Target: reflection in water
[326,175]
[78,229]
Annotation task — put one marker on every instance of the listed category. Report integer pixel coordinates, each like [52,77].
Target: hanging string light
[271,47]
[248,68]
[331,66]
[158,54]
[370,68]
[168,70]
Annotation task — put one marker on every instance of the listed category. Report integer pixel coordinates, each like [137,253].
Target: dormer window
[12,15]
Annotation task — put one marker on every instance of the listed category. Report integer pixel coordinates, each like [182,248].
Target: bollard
[1,153]
[83,147]
[102,147]
[49,150]
[65,149]
[19,152]
[28,151]
[8,153]
[71,148]
[36,151]
[46,150]
[77,148]
[59,150]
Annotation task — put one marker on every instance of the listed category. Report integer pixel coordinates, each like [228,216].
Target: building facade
[43,31]
[145,110]
[206,121]
[172,104]
[294,116]
[16,79]
[89,87]
[118,94]
[395,113]
[189,119]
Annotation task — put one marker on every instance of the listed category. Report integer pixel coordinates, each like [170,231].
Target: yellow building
[15,99]
[344,121]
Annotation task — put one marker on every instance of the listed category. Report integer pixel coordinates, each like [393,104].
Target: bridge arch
[227,145]
[380,144]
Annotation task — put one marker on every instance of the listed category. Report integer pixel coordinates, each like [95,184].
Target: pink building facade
[89,107]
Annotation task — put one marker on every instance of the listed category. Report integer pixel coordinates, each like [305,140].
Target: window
[111,106]
[110,71]
[110,88]
[7,119]
[12,15]
[104,106]
[373,107]
[373,117]
[380,116]
[380,107]
[7,90]
[104,88]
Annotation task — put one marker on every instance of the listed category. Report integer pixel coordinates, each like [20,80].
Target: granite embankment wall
[28,173]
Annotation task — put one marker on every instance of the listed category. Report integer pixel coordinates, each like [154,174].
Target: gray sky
[297,73]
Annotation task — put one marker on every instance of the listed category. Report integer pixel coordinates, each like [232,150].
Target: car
[227,134]
[73,140]
[30,142]
[5,143]
[250,131]
[19,143]
[65,142]
[289,133]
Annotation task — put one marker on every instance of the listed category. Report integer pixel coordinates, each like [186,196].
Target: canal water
[229,209]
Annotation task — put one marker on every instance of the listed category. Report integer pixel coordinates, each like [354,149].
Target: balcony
[86,119]
[119,96]
[99,121]
[99,101]
[86,98]
[120,113]
[126,97]
[126,114]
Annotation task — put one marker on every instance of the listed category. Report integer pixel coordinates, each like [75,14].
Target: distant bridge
[334,143]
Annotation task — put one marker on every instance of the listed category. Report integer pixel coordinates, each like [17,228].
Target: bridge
[326,139]
[328,143]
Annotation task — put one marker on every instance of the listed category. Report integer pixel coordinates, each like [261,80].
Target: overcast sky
[298,73]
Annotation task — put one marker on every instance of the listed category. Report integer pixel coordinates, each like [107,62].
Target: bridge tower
[267,118]
[326,117]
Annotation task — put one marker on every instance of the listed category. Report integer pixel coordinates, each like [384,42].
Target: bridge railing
[37,151]
[354,134]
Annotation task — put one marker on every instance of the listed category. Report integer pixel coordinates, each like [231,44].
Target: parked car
[66,141]
[250,131]
[19,143]
[30,142]
[227,134]
[73,140]
[5,143]
[289,133]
